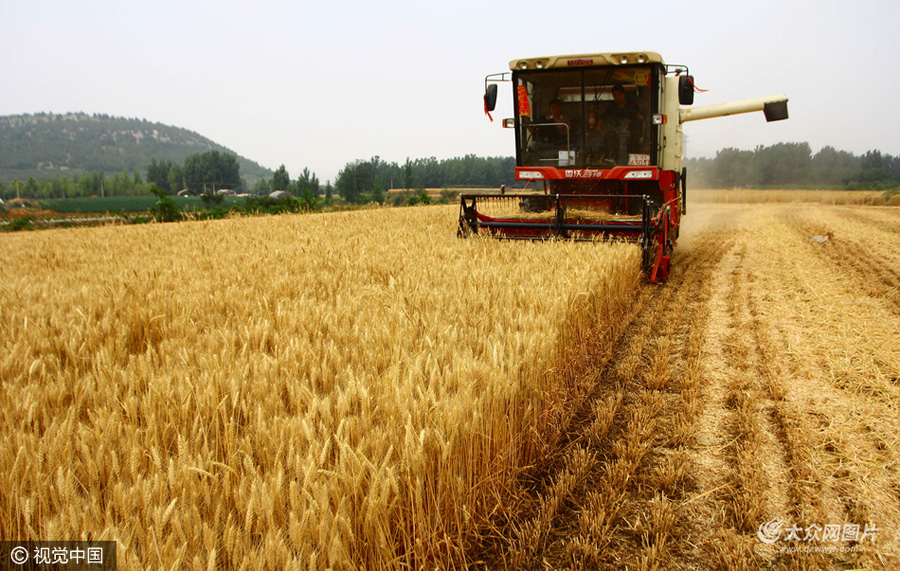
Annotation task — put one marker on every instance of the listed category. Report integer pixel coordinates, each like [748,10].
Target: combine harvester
[599,142]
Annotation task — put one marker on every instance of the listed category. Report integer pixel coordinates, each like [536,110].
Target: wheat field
[365,390]
[350,390]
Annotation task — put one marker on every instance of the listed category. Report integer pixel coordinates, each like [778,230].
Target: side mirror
[686,89]
[490,97]
[776,110]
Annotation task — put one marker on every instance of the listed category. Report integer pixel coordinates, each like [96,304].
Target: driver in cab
[620,111]
[555,129]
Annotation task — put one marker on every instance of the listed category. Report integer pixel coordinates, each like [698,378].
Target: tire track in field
[883,219]
[757,486]
[862,246]
[876,274]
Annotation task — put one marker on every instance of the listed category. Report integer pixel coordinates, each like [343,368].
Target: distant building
[24,203]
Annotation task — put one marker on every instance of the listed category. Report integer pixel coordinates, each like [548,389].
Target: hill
[47,144]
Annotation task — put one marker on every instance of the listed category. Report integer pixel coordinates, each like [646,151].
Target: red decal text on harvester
[524,105]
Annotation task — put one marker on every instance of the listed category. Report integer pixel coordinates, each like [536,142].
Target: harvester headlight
[623,60]
[523,65]
[531,175]
[642,58]
[539,64]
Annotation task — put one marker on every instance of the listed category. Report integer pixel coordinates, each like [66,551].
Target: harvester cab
[599,144]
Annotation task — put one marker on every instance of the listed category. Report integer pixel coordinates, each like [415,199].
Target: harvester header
[599,143]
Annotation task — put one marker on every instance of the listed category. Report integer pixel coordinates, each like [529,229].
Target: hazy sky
[318,84]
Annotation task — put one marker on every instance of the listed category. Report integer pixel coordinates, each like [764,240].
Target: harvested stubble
[353,390]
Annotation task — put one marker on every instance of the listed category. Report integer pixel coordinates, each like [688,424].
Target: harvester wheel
[661,251]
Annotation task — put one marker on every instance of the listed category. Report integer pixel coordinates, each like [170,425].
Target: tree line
[369,180]
[201,173]
[306,189]
[793,165]
[783,165]
[97,183]
[360,181]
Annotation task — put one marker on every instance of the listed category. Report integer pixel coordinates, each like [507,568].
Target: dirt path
[748,417]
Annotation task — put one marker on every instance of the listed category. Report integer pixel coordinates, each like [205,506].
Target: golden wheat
[757,196]
[351,390]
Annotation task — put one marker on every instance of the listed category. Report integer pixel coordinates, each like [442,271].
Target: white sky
[318,84]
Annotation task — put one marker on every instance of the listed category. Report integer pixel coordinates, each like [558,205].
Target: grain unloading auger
[599,142]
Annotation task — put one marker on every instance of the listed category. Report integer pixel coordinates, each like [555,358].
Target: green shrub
[212,200]
[18,224]
[420,198]
[166,209]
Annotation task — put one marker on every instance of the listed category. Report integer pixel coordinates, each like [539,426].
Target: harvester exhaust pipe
[774,107]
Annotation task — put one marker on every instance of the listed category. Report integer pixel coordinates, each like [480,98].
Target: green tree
[211,171]
[782,164]
[32,188]
[212,199]
[123,184]
[158,173]
[176,178]
[833,168]
[378,191]
[307,181]
[875,172]
[262,187]
[347,182]
[307,199]
[281,180]
[166,209]
[733,167]
[408,180]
